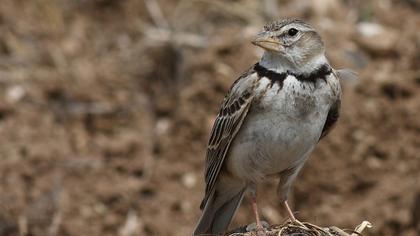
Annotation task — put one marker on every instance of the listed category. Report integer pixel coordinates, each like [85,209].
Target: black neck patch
[272,75]
[275,77]
[319,73]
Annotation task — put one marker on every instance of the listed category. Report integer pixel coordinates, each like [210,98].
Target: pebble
[376,39]
[189,180]
[15,93]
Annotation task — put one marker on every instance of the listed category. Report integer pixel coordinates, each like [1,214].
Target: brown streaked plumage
[231,115]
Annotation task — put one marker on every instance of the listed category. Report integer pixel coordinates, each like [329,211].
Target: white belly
[280,129]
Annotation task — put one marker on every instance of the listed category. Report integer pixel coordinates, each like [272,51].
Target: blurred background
[106,107]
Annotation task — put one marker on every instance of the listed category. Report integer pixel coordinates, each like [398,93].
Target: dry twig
[304,229]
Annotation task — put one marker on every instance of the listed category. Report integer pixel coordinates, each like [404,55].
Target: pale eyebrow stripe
[298,26]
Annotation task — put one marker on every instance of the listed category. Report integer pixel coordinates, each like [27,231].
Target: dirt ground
[106,108]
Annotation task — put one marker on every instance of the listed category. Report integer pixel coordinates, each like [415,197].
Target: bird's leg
[286,178]
[289,211]
[260,229]
[291,215]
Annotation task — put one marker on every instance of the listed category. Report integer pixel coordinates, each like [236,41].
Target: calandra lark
[269,122]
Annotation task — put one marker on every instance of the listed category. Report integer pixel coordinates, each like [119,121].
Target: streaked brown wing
[230,118]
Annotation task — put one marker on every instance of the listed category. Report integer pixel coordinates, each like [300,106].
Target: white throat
[281,64]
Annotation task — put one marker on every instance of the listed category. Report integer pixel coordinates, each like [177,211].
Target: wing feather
[234,109]
[332,117]
[333,112]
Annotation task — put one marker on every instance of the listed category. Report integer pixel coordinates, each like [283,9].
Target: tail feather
[217,214]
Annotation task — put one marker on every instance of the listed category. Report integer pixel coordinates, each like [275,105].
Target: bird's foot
[261,232]
[298,223]
[259,229]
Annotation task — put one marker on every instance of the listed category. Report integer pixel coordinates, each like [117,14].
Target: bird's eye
[292,32]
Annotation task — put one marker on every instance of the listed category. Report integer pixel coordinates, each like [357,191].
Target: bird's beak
[267,42]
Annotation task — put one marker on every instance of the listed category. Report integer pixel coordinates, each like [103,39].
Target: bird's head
[292,40]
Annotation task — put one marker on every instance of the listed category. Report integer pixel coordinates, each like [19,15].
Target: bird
[269,122]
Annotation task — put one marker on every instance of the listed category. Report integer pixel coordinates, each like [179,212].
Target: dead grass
[305,229]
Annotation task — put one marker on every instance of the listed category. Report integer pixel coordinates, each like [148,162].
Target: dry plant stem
[305,229]
[361,227]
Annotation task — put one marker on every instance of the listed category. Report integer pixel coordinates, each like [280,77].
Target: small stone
[376,39]
[162,126]
[15,94]
[189,180]
[373,163]
[367,29]
[132,225]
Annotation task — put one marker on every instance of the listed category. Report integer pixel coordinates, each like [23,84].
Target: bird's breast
[284,123]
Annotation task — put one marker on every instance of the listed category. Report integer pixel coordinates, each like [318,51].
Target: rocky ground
[106,107]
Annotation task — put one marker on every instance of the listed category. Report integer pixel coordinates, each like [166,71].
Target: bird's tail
[218,213]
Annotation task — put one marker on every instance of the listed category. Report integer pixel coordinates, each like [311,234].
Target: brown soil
[104,119]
